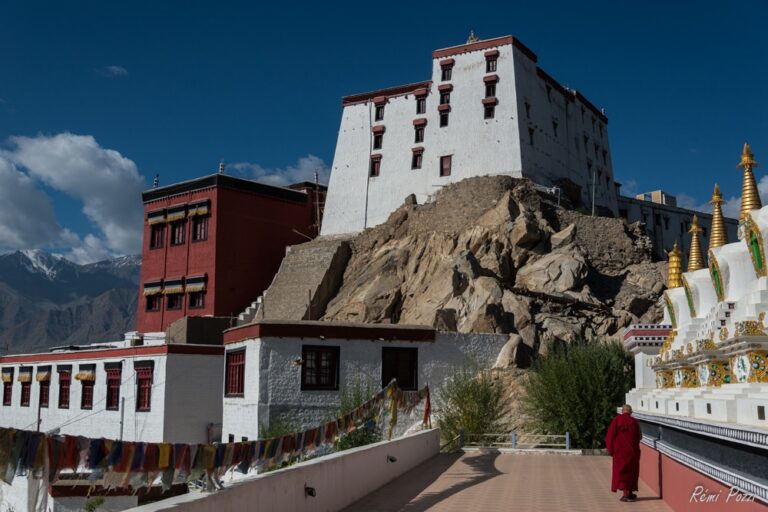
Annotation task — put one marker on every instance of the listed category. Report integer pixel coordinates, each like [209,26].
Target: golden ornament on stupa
[718,236]
[675,273]
[695,257]
[750,199]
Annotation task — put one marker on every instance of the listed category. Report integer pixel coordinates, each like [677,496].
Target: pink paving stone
[489,481]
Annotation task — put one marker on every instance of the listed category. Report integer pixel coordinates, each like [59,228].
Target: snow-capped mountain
[48,300]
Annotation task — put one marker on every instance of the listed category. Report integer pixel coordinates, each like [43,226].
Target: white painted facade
[540,130]
[272,387]
[185,398]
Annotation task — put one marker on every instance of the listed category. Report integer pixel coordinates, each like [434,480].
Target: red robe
[623,442]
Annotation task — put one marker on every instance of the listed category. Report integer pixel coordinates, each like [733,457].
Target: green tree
[576,388]
[473,403]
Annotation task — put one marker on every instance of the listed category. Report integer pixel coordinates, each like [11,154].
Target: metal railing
[517,440]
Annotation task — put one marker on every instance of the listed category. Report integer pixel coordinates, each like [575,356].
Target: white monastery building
[488,109]
[151,393]
[294,372]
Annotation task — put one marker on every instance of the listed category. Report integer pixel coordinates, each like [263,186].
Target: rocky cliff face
[491,254]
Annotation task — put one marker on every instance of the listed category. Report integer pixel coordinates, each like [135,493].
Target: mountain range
[47,300]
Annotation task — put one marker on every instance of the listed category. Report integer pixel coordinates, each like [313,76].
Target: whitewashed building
[293,372]
[153,393]
[488,109]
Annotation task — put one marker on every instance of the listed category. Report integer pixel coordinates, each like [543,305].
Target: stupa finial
[695,258]
[675,273]
[718,236]
[750,198]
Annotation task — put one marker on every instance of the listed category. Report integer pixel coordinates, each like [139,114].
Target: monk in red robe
[623,442]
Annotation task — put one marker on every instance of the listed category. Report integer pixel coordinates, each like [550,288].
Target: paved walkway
[490,481]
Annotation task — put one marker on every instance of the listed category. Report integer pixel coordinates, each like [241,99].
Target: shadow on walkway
[407,492]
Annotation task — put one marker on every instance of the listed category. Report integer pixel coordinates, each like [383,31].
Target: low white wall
[339,480]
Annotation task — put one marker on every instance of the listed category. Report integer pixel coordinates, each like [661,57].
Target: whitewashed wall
[275,391]
[479,146]
[180,382]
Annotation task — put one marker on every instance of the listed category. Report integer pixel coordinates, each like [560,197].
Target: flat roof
[108,353]
[397,90]
[223,180]
[337,330]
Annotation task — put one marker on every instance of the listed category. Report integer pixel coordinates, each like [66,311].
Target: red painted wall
[247,236]
[253,232]
[679,482]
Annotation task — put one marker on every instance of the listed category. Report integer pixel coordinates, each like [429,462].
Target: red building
[212,245]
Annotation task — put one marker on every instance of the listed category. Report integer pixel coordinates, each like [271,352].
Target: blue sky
[172,87]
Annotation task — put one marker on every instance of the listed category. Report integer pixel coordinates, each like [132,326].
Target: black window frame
[490,90]
[386,377]
[417,160]
[199,220]
[421,105]
[444,119]
[193,304]
[418,134]
[174,307]
[153,239]
[151,300]
[378,140]
[335,352]
[378,114]
[180,226]
[489,111]
[491,64]
[446,73]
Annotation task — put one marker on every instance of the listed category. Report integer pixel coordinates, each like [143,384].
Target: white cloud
[27,219]
[303,170]
[114,71]
[731,205]
[107,184]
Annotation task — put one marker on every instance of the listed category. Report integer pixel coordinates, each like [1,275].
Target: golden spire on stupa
[719,235]
[675,273]
[750,199]
[695,258]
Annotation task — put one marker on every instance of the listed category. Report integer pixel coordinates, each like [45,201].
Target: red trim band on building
[389,93]
[447,63]
[420,122]
[379,128]
[482,45]
[491,79]
[491,54]
[490,101]
[445,87]
[328,330]
[445,107]
[149,350]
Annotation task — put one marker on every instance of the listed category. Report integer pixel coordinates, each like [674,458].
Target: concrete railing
[326,483]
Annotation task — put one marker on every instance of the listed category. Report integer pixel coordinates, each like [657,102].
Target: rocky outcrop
[490,255]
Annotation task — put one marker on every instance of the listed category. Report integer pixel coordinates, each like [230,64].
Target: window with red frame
[65,380]
[196,300]
[156,236]
[45,389]
[113,388]
[375,166]
[26,392]
[86,398]
[7,389]
[178,229]
[319,367]
[235,377]
[419,134]
[445,165]
[199,228]
[143,388]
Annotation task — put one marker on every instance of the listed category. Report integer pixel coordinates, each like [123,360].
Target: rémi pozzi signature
[701,494]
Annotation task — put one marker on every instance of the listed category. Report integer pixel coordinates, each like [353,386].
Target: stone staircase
[309,277]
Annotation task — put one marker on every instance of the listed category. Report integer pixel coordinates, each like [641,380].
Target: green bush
[472,403]
[576,388]
[368,430]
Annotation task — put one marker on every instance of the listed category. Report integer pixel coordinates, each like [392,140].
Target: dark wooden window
[446,73]
[375,166]
[400,364]
[199,228]
[178,229]
[174,300]
[86,398]
[445,165]
[490,90]
[235,377]
[143,388]
[419,134]
[378,140]
[156,236]
[8,391]
[26,392]
[65,380]
[416,161]
[549,94]
[196,300]
[554,127]
[530,136]
[445,98]
[113,389]
[443,119]
[153,302]
[490,64]
[421,105]
[489,111]
[45,392]
[320,367]
[379,115]
[527,110]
